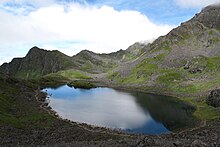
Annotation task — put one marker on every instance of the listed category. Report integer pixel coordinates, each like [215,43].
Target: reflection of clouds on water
[100,106]
[107,107]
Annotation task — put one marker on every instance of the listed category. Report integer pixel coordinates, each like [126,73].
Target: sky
[101,26]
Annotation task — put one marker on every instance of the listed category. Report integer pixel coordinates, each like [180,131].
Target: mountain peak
[34,50]
[85,52]
[35,47]
[210,16]
[212,6]
[36,63]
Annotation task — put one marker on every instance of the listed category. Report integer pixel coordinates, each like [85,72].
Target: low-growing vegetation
[81,84]
[73,74]
[16,111]
[203,111]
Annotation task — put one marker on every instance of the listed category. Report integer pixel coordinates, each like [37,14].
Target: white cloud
[75,27]
[196,3]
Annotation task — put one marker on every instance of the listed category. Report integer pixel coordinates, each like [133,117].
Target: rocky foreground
[63,134]
[37,125]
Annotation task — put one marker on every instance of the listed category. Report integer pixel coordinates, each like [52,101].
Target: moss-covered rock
[214,98]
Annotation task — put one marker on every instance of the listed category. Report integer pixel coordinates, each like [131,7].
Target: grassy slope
[61,77]
[16,112]
[68,75]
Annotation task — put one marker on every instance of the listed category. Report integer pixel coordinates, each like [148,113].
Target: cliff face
[210,16]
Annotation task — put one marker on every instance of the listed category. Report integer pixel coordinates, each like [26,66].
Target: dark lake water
[133,112]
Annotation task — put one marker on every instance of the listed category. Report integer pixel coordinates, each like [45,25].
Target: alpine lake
[132,112]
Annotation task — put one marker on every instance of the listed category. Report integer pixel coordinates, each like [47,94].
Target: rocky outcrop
[214,98]
[210,16]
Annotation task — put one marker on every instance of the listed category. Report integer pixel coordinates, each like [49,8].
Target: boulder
[195,70]
[214,98]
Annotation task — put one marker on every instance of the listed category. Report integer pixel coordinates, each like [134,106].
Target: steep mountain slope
[199,36]
[36,63]
[186,60]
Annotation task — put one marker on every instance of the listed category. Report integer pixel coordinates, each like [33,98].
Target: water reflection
[133,112]
[173,113]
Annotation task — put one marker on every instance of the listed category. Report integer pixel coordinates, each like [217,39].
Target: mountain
[185,61]
[101,63]
[39,62]
[199,36]
[94,63]
[36,63]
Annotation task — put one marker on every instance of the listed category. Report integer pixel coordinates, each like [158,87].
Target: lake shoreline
[174,138]
[63,133]
[147,113]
